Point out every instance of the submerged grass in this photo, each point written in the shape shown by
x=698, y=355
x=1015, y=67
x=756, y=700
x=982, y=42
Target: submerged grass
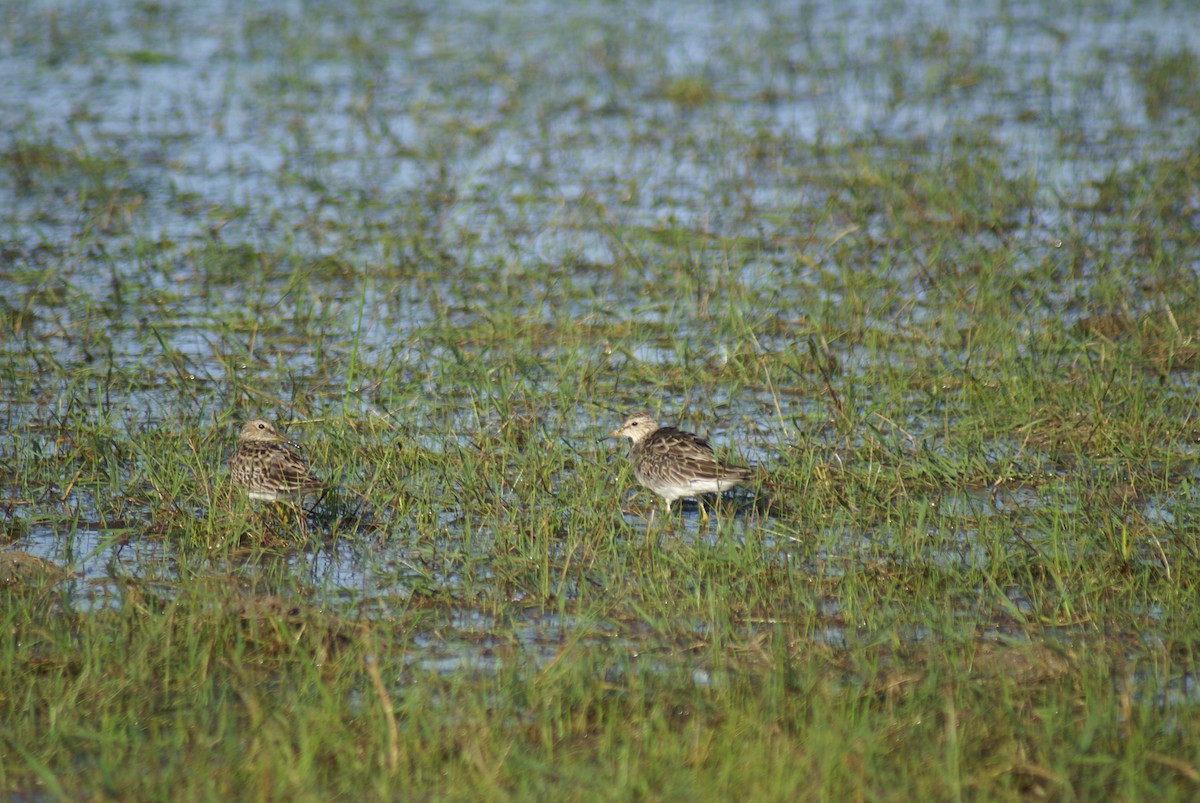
x=448, y=251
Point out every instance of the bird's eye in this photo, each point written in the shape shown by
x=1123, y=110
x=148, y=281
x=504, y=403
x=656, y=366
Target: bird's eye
x=264, y=426
x=634, y=424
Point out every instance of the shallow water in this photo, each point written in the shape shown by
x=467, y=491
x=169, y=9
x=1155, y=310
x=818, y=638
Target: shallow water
x=517, y=140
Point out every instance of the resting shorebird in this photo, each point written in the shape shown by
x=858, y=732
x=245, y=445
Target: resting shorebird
x=674, y=463
x=267, y=466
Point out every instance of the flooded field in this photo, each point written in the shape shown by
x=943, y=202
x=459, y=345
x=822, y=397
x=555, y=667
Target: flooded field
x=930, y=268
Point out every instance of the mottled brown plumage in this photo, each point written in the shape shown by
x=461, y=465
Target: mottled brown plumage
x=267, y=467
x=674, y=463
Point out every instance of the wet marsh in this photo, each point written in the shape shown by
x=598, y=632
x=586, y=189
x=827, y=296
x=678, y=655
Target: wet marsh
x=930, y=268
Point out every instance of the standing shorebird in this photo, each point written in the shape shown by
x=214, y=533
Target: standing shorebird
x=674, y=463
x=267, y=466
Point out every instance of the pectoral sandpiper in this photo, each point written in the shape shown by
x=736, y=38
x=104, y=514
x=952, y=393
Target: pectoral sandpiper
x=267, y=466
x=674, y=463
